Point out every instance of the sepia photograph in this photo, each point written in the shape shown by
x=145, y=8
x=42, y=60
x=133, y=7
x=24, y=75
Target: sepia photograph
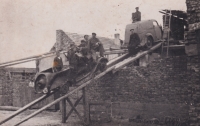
x=99, y=62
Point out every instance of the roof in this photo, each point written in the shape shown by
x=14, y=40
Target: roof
x=140, y=22
x=178, y=13
x=76, y=38
x=143, y=22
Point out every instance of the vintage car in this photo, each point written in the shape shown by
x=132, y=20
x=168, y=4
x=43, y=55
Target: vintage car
x=47, y=80
x=148, y=31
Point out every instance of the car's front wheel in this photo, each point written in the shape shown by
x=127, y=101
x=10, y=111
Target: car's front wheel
x=40, y=84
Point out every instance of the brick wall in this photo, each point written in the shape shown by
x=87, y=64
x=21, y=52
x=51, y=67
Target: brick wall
x=165, y=82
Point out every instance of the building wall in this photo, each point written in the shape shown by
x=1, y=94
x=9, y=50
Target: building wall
x=159, y=90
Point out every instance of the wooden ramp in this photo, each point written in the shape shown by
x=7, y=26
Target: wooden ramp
x=113, y=66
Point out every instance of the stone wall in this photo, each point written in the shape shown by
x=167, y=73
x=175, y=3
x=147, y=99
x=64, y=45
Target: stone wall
x=166, y=83
x=5, y=89
x=15, y=91
x=192, y=35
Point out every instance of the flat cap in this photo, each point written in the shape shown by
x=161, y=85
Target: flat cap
x=137, y=8
x=93, y=33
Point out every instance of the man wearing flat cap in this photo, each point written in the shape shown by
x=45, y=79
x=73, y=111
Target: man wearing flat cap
x=95, y=45
x=71, y=55
x=137, y=15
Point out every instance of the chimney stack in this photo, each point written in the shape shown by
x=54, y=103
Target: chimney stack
x=117, y=41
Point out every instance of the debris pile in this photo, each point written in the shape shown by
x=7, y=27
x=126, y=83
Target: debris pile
x=194, y=89
x=193, y=11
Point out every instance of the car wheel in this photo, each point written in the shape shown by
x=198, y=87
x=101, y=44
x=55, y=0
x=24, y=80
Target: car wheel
x=149, y=42
x=40, y=84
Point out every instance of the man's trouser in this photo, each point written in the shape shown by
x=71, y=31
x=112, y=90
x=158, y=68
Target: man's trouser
x=57, y=69
x=100, y=49
x=134, y=50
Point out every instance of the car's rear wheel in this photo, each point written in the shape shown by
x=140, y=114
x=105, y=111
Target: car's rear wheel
x=149, y=42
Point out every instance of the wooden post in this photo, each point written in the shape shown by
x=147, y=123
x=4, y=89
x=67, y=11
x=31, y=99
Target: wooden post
x=169, y=33
x=86, y=107
x=84, y=103
x=63, y=110
x=56, y=96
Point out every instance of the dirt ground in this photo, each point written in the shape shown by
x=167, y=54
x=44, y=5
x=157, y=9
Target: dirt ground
x=48, y=118
x=45, y=118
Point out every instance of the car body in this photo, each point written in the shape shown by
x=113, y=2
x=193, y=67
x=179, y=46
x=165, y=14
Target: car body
x=147, y=30
x=47, y=80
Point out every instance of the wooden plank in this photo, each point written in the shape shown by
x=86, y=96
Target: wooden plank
x=131, y=59
x=36, y=56
x=111, y=62
x=175, y=46
x=9, y=108
x=115, y=52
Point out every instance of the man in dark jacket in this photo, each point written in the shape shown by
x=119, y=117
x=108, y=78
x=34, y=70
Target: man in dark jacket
x=57, y=63
x=134, y=43
x=84, y=45
x=95, y=45
x=137, y=15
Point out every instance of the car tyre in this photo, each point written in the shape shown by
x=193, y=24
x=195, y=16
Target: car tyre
x=149, y=42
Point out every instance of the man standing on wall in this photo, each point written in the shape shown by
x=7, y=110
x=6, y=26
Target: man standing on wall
x=58, y=63
x=95, y=45
x=136, y=16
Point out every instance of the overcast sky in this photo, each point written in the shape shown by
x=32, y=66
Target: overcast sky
x=28, y=27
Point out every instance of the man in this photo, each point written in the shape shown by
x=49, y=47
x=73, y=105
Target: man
x=57, y=63
x=37, y=62
x=137, y=15
x=73, y=62
x=71, y=56
x=134, y=43
x=121, y=42
x=84, y=45
x=94, y=45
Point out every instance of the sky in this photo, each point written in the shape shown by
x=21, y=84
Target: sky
x=28, y=27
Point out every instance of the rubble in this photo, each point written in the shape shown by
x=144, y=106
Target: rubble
x=193, y=11
x=193, y=17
